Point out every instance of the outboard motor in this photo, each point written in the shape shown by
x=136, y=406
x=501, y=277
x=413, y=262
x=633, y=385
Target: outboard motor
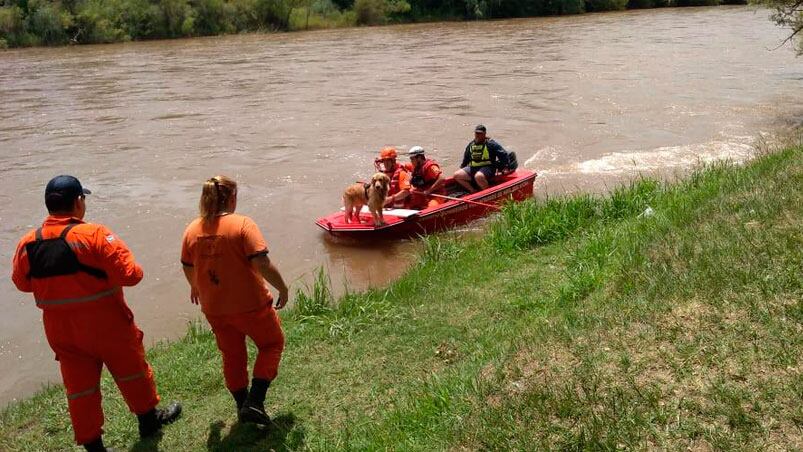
x=512, y=161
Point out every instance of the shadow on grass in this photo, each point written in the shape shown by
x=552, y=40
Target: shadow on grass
x=148, y=444
x=281, y=435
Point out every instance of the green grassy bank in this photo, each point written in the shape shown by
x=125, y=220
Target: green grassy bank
x=576, y=323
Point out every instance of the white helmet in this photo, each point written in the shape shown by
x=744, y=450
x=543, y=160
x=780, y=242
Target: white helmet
x=415, y=150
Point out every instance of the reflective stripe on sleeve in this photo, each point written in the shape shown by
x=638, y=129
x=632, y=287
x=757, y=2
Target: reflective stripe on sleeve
x=92, y=297
x=83, y=393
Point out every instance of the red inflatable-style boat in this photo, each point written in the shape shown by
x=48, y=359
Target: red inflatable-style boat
x=401, y=223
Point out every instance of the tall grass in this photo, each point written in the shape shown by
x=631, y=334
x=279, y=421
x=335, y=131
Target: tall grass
x=532, y=223
x=316, y=300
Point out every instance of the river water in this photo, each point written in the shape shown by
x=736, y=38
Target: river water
x=294, y=118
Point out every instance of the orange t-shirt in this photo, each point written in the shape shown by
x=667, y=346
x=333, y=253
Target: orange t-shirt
x=220, y=253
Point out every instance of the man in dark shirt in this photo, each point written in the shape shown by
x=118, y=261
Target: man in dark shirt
x=482, y=158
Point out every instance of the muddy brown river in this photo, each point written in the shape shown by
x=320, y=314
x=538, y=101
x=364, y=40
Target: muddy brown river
x=583, y=100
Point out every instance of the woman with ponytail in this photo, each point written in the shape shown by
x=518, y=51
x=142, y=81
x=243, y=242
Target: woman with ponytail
x=225, y=260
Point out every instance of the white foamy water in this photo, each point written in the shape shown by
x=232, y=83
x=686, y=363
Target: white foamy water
x=665, y=158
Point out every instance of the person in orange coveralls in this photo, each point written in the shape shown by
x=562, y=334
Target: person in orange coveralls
x=76, y=271
x=426, y=178
x=225, y=260
x=398, y=174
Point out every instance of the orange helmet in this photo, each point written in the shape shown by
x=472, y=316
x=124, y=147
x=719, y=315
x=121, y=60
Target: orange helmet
x=388, y=152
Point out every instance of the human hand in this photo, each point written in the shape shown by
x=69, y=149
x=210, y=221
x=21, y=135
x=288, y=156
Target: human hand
x=284, y=297
x=194, y=296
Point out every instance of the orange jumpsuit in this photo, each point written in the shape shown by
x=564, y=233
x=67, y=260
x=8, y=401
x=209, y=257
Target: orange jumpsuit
x=429, y=172
x=233, y=295
x=88, y=323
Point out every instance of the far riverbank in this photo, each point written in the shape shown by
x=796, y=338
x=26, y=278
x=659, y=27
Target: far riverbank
x=54, y=23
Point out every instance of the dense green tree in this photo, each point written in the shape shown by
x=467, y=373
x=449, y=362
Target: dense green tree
x=605, y=5
x=343, y=4
x=55, y=22
x=12, y=27
x=638, y=4
x=213, y=17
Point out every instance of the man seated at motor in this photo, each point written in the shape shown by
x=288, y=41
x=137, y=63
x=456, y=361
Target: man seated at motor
x=398, y=174
x=427, y=179
x=483, y=156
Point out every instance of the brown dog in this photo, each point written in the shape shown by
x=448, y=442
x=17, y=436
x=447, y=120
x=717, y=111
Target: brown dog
x=373, y=194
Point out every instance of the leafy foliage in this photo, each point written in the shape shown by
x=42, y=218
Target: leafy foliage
x=605, y=5
x=637, y=4
x=58, y=22
x=788, y=13
x=54, y=22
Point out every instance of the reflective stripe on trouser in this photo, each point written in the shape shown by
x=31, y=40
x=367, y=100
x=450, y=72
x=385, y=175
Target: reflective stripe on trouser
x=82, y=382
x=84, y=299
x=88, y=402
x=86, y=340
x=86, y=393
x=264, y=328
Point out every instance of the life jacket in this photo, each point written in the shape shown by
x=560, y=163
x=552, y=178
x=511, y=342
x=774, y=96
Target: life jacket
x=480, y=155
x=419, y=177
x=394, y=179
x=54, y=257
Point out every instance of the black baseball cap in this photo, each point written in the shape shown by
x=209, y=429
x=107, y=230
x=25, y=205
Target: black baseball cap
x=65, y=188
x=479, y=128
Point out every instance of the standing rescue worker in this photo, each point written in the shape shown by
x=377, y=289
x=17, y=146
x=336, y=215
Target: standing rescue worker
x=76, y=271
x=398, y=174
x=427, y=179
x=483, y=156
x=225, y=260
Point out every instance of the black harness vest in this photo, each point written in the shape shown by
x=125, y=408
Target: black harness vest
x=55, y=257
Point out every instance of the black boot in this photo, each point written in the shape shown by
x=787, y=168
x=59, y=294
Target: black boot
x=97, y=446
x=239, y=397
x=152, y=421
x=253, y=409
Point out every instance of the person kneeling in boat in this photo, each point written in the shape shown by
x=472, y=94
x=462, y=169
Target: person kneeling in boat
x=483, y=156
x=399, y=177
x=427, y=180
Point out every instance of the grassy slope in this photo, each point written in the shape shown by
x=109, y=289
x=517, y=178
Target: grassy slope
x=575, y=323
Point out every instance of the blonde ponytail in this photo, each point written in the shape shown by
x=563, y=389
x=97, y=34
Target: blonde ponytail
x=215, y=196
